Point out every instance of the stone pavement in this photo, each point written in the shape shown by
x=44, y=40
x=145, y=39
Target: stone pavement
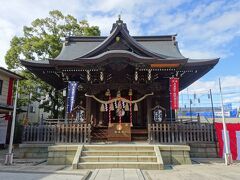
x=117, y=174
x=202, y=171
x=37, y=176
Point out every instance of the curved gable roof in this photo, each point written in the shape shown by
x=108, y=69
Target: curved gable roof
x=120, y=28
x=163, y=47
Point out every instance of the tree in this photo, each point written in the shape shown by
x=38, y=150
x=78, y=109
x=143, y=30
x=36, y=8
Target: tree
x=42, y=40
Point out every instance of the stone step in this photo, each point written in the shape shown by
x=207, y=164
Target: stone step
x=118, y=148
x=118, y=159
x=118, y=153
x=135, y=165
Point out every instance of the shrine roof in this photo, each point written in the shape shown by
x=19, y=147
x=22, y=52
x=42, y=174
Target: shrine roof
x=75, y=47
x=81, y=52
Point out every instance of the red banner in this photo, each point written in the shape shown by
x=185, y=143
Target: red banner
x=233, y=136
x=10, y=96
x=10, y=92
x=174, y=93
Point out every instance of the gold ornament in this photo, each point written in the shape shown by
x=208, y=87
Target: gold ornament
x=119, y=127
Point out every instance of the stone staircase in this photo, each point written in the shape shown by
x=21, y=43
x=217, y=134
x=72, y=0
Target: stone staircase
x=120, y=156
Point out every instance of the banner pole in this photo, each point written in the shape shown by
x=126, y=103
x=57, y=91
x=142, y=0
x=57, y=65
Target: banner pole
x=9, y=156
x=227, y=154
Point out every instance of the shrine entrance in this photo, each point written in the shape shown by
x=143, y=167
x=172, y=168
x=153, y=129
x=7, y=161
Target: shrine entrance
x=119, y=115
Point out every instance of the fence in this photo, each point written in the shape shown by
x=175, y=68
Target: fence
x=60, y=133
x=178, y=132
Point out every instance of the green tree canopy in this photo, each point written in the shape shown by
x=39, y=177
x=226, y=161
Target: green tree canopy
x=41, y=40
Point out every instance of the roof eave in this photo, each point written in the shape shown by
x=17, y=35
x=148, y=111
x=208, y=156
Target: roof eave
x=11, y=74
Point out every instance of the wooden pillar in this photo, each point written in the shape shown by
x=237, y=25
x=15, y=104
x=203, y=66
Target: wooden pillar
x=149, y=110
x=88, y=110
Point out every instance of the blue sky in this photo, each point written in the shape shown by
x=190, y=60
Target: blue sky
x=206, y=29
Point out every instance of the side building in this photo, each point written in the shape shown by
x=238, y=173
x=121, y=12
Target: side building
x=7, y=79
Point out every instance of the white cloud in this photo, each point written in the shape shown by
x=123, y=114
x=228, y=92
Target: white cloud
x=17, y=13
x=205, y=28
x=228, y=83
x=195, y=54
x=230, y=90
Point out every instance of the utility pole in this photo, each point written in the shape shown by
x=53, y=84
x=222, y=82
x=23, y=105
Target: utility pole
x=190, y=102
x=9, y=156
x=190, y=105
x=227, y=155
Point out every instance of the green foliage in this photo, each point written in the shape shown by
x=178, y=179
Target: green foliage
x=40, y=41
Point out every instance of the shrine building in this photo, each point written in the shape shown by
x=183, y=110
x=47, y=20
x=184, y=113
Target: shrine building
x=120, y=84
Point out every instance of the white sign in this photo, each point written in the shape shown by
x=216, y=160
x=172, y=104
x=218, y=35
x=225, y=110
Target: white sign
x=219, y=113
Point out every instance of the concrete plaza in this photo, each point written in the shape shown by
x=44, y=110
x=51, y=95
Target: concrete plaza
x=201, y=169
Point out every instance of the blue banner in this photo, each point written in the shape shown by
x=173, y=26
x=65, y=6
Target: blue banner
x=72, y=89
x=231, y=114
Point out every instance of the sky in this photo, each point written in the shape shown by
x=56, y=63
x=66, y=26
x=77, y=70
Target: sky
x=204, y=28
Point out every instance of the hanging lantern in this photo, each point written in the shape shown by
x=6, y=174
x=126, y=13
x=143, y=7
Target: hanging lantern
x=102, y=109
x=111, y=107
x=135, y=107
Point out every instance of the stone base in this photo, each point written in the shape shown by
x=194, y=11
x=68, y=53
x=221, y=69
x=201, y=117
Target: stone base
x=61, y=154
x=143, y=156
x=34, y=151
x=203, y=150
x=175, y=154
x=118, y=156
